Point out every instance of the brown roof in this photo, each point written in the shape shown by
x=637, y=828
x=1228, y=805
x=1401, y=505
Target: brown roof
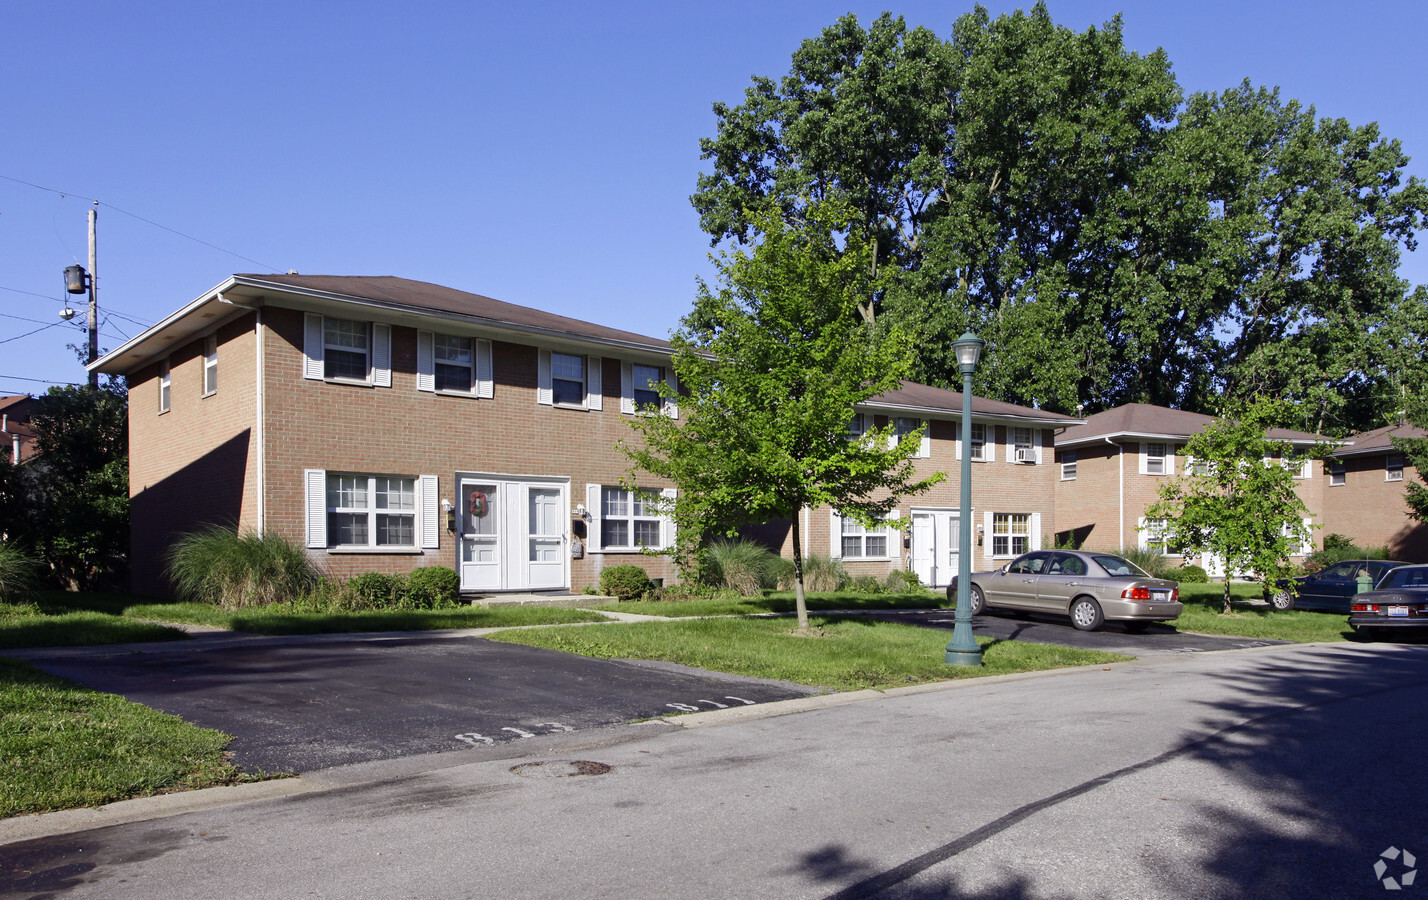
x=921, y=397
x=424, y=296
x=1379, y=440
x=1147, y=420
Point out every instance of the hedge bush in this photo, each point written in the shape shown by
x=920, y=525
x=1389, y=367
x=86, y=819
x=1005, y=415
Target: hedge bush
x=1190, y=575
x=433, y=587
x=625, y=582
x=377, y=590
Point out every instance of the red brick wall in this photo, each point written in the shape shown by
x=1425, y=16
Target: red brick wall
x=1371, y=510
x=194, y=464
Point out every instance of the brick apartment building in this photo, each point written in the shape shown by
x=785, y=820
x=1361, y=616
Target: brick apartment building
x=389, y=424
x=1363, y=486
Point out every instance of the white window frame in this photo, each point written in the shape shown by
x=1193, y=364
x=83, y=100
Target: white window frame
x=1002, y=529
x=1152, y=534
x=1338, y=473
x=1301, y=468
x=849, y=527
x=982, y=450
x=1393, y=467
x=331, y=325
x=165, y=385
x=667, y=405
x=1195, y=466
x=631, y=508
x=378, y=351
x=371, y=489
x=592, y=397
x=482, y=379
x=1068, y=464
x=858, y=426
x=210, y=365
x=905, y=425
x=1165, y=460
x=1023, y=438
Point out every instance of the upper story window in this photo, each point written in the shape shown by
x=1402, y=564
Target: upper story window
x=1023, y=445
x=347, y=350
x=210, y=365
x=453, y=363
x=858, y=425
x=567, y=379
x=165, y=382
x=1336, y=474
x=644, y=381
x=904, y=426
x=1301, y=467
x=1195, y=466
x=978, y=442
x=1152, y=458
x=1068, y=465
x=1393, y=467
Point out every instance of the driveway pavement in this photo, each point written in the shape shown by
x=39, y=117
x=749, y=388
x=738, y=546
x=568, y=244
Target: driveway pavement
x=302, y=704
x=1156, y=640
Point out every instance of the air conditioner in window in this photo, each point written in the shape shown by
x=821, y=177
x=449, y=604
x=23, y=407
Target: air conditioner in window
x=1025, y=456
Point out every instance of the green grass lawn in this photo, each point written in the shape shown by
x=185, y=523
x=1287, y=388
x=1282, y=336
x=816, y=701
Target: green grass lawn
x=844, y=654
x=1204, y=602
x=779, y=602
x=62, y=746
x=69, y=619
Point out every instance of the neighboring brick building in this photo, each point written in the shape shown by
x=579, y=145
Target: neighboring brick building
x=1363, y=491
x=1013, y=489
x=15, y=432
x=1111, y=467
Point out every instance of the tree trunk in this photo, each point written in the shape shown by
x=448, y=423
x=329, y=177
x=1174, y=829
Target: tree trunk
x=1226, y=610
x=798, y=598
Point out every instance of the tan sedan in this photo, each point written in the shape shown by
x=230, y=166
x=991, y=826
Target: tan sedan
x=1092, y=588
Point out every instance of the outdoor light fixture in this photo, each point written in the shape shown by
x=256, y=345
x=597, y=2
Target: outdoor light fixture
x=962, y=650
x=450, y=515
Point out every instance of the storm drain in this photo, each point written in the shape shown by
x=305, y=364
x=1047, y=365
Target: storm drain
x=561, y=768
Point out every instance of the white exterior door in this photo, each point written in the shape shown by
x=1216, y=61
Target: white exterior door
x=936, y=534
x=514, y=533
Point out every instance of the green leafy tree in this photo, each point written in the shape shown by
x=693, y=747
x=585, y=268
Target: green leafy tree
x=1238, y=502
x=1415, y=453
x=771, y=365
x=1113, y=240
x=75, y=491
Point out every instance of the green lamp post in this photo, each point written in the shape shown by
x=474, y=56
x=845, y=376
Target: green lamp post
x=963, y=650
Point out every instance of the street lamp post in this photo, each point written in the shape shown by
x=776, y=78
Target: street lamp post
x=963, y=650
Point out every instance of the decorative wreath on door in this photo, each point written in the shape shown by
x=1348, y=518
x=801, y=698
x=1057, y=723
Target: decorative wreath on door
x=479, y=505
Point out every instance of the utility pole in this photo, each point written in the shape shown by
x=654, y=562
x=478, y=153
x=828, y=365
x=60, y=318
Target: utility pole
x=93, y=299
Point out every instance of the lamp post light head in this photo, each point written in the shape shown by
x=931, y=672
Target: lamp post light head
x=968, y=348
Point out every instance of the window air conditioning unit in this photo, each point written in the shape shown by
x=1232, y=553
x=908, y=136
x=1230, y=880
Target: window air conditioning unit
x=1025, y=456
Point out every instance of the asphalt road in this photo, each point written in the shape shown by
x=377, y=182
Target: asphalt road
x=1157, y=640
x=1281, y=772
x=297, y=705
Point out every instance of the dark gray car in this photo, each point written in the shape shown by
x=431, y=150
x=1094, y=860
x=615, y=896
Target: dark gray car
x=1400, y=601
x=1331, y=589
x=1092, y=588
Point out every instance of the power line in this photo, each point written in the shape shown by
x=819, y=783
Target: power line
x=28, y=333
x=145, y=221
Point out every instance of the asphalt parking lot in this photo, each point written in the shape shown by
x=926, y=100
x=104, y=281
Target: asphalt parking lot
x=299, y=705
x=1157, y=640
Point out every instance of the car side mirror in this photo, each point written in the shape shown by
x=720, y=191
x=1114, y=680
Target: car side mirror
x=1004, y=568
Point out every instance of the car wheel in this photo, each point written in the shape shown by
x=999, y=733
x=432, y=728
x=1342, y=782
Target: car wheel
x=978, y=602
x=1086, y=614
x=1136, y=627
x=1281, y=600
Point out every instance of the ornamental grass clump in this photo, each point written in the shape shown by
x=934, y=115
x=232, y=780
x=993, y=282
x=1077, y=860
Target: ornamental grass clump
x=18, y=572
x=820, y=573
x=238, y=570
x=743, y=566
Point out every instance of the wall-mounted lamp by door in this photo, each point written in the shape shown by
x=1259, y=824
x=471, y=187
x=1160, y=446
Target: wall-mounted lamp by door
x=450, y=511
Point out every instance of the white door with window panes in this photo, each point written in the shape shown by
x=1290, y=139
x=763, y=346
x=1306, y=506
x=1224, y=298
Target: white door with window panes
x=936, y=545
x=513, y=533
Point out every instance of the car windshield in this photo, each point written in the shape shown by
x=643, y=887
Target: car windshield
x=1406, y=576
x=1118, y=567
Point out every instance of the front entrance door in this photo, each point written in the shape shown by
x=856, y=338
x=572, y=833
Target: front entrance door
x=514, y=533
x=936, y=538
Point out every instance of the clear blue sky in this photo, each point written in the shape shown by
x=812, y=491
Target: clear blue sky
x=542, y=152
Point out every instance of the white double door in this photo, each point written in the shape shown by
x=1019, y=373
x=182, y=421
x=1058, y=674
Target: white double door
x=514, y=533
x=936, y=539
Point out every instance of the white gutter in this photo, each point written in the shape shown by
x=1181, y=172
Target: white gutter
x=1121, y=498
x=261, y=425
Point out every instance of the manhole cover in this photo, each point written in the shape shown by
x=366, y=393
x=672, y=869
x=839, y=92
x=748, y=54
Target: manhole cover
x=560, y=768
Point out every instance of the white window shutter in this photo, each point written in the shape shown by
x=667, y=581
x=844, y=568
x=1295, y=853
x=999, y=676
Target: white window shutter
x=485, y=373
x=544, y=396
x=430, y=512
x=382, y=355
x=667, y=520
x=627, y=386
x=315, y=487
x=594, y=389
x=894, y=534
x=1033, y=538
x=835, y=542
x=1140, y=533
x=592, y=526
x=987, y=542
x=426, y=361
x=958, y=438
x=1038, y=439
x=671, y=403
x=1140, y=456
x=924, y=449
x=312, y=349
x=989, y=446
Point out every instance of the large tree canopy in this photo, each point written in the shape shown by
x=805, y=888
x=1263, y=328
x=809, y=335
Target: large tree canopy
x=1113, y=240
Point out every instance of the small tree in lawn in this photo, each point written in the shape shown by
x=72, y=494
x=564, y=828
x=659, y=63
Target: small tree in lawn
x=771, y=365
x=1233, y=503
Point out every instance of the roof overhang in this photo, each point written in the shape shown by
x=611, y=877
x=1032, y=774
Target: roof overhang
x=943, y=412
x=1103, y=437
x=239, y=294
